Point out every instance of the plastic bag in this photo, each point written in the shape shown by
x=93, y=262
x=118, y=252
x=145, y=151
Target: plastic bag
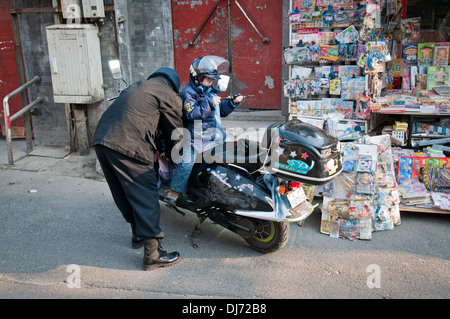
x=297, y=55
x=280, y=204
x=166, y=168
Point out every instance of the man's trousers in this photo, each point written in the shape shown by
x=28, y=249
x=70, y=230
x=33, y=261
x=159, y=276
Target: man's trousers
x=133, y=185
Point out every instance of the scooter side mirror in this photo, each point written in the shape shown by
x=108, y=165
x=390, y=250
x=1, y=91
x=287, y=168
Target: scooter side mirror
x=114, y=66
x=222, y=84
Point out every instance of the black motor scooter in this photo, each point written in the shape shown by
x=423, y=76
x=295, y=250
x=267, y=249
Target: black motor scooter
x=255, y=189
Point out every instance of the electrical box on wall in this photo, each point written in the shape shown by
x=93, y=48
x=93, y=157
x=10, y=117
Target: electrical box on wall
x=71, y=9
x=75, y=63
x=93, y=9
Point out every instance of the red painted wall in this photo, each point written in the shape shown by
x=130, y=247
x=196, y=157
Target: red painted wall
x=256, y=66
x=9, y=80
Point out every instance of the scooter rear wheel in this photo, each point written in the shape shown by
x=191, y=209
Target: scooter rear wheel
x=269, y=235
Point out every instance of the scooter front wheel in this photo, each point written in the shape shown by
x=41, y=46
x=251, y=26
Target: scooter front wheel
x=269, y=235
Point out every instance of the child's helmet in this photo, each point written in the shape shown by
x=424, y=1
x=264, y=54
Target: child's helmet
x=209, y=66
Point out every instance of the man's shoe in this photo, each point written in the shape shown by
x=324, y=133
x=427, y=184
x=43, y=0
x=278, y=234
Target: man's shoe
x=171, y=197
x=155, y=256
x=136, y=242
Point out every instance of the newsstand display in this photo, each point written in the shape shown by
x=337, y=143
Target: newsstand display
x=374, y=79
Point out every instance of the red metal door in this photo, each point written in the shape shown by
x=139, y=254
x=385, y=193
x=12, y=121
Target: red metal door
x=255, y=64
x=9, y=79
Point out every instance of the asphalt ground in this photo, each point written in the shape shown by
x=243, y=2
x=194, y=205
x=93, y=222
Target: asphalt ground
x=63, y=238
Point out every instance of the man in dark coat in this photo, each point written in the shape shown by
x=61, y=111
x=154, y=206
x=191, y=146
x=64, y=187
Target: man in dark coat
x=124, y=142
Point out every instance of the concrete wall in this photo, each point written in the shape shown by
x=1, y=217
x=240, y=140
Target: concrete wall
x=49, y=119
x=139, y=32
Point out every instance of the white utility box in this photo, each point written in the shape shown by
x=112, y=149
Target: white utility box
x=75, y=63
x=93, y=9
x=71, y=9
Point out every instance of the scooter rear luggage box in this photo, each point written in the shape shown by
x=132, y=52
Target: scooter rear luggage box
x=303, y=152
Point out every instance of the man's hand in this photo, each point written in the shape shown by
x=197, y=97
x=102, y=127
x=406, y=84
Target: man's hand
x=156, y=157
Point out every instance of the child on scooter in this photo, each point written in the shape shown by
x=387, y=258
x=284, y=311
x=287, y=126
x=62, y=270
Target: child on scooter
x=201, y=103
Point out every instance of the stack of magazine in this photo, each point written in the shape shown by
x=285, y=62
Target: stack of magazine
x=414, y=193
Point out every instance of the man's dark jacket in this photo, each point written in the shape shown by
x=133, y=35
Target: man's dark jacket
x=129, y=125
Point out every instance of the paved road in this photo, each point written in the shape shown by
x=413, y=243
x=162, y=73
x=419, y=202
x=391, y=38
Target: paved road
x=58, y=224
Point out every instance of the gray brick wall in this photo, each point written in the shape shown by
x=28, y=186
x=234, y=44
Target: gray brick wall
x=150, y=36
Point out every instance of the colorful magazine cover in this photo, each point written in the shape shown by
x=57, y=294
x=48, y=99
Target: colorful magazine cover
x=413, y=190
x=346, y=71
x=332, y=105
x=441, y=200
x=397, y=68
x=437, y=76
x=303, y=4
x=327, y=71
x=443, y=91
x=441, y=54
x=423, y=77
x=410, y=29
x=406, y=79
x=425, y=53
x=409, y=54
x=351, y=87
x=305, y=38
x=414, y=74
x=409, y=167
x=309, y=108
x=335, y=87
x=345, y=107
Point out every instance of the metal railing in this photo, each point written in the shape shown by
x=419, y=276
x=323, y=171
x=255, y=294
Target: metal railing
x=9, y=119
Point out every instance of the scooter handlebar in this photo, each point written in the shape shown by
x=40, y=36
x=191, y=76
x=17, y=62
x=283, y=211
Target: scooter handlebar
x=232, y=97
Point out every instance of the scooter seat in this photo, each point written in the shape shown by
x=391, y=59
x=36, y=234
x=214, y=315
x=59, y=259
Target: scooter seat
x=244, y=153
